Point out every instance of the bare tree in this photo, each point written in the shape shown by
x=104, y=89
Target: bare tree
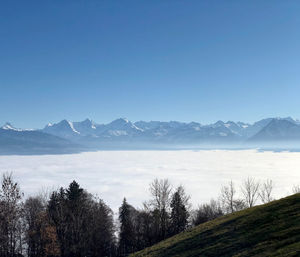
x=11, y=209
x=250, y=190
x=206, y=212
x=227, y=197
x=239, y=204
x=161, y=193
x=296, y=189
x=266, y=189
x=34, y=212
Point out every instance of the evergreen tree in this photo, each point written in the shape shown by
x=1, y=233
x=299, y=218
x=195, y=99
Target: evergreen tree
x=84, y=226
x=127, y=242
x=179, y=212
x=144, y=229
x=76, y=212
x=57, y=217
x=101, y=230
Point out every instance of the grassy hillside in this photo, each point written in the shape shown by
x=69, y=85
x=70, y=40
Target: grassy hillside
x=268, y=230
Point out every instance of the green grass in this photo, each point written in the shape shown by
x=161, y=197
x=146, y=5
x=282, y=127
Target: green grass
x=269, y=230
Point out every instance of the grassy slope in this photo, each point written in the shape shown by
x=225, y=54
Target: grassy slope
x=267, y=230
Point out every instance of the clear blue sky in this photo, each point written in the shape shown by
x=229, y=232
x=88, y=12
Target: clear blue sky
x=151, y=60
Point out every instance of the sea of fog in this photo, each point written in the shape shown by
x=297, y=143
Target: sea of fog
x=113, y=175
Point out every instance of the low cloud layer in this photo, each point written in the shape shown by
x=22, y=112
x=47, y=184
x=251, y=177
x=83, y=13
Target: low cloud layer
x=113, y=175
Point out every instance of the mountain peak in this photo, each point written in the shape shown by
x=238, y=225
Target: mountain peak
x=85, y=127
x=62, y=126
x=219, y=123
x=122, y=124
x=89, y=123
x=124, y=120
x=64, y=121
x=220, y=133
x=120, y=121
x=87, y=120
x=9, y=126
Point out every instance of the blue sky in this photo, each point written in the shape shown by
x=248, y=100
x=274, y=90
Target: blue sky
x=151, y=60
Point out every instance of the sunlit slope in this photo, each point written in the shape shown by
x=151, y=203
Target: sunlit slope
x=267, y=230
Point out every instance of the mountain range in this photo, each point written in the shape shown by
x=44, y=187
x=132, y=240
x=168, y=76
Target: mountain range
x=69, y=137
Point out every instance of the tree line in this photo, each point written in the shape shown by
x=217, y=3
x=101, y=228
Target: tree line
x=71, y=222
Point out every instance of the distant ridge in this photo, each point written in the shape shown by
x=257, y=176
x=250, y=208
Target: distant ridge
x=121, y=133
x=171, y=133
x=278, y=129
x=16, y=141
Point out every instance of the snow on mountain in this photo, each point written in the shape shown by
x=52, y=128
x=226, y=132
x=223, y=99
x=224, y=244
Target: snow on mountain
x=218, y=124
x=9, y=126
x=86, y=127
x=195, y=125
x=236, y=127
x=122, y=132
x=121, y=127
x=172, y=131
x=72, y=127
x=122, y=123
x=147, y=125
x=63, y=129
x=26, y=141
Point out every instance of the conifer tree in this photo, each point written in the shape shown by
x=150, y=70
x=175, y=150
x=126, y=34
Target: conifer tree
x=127, y=231
x=179, y=212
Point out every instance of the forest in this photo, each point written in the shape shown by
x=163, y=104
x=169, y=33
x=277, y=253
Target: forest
x=71, y=222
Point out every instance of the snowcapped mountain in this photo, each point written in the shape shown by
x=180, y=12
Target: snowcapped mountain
x=121, y=127
x=86, y=127
x=238, y=128
x=123, y=134
x=24, y=141
x=64, y=129
x=9, y=126
x=154, y=131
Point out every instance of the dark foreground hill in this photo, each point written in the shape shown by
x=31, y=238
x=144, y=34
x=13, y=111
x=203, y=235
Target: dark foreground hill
x=267, y=230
